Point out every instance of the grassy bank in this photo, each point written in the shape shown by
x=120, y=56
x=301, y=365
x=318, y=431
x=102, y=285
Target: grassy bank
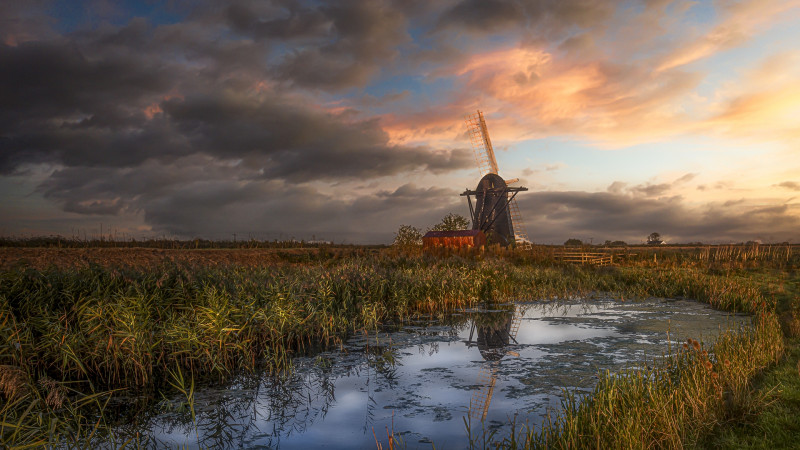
x=743, y=392
x=68, y=334
x=776, y=424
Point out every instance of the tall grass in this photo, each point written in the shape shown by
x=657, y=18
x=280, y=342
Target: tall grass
x=100, y=328
x=127, y=328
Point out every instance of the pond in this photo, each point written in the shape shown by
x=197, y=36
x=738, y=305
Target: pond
x=424, y=379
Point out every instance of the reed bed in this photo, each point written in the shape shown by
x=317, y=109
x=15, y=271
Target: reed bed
x=749, y=252
x=95, y=329
x=728, y=257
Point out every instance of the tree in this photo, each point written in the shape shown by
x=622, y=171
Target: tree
x=573, y=242
x=452, y=222
x=407, y=236
x=654, y=239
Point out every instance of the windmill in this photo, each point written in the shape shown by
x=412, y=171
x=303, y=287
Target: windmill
x=495, y=212
x=495, y=331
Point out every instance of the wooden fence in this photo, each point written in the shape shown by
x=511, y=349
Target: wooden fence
x=579, y=257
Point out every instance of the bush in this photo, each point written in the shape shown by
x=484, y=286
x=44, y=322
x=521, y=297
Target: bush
x=408, y=236
x=452, y=222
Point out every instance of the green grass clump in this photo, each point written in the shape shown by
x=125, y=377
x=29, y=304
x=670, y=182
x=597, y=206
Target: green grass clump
x=777, y=424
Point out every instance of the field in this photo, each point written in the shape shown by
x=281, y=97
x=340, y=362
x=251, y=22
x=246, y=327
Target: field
x=79, y=326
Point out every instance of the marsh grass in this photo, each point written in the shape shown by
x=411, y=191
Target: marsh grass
x=94, y=329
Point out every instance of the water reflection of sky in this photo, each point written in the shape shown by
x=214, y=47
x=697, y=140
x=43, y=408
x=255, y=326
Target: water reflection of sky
x=419, y=380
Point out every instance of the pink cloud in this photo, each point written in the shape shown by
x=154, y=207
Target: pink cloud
x=610, y=96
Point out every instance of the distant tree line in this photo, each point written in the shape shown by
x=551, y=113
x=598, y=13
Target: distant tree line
x=574, y=242
x=164, y=243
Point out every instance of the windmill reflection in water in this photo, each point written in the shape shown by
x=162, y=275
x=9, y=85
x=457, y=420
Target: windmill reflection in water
x=493, y=332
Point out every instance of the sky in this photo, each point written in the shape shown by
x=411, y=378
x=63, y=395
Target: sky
x=342, y=120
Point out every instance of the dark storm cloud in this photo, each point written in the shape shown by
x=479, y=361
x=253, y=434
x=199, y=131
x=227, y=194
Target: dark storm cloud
x=407, y=197
x=78, y=189
x=793, y=185
x=301, y=211
x=117, y=97
x=607, y=215
x=23, y=21
x=56, y=78
x=203, y=126
x=652, y=190
x=482, y=15
x=540, y=16
x=616, y=187
x=294, y=143
x=332, y=46
x=648, y=189
x=230, y=120
x=686, y=178
x=295, y=22
x=66, y=107
x=199, y=196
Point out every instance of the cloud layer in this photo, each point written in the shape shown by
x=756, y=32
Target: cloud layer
x=343, y=118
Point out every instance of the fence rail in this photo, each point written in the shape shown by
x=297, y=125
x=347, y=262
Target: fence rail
x=593, y=258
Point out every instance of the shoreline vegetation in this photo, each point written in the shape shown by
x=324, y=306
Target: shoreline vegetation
x=74, y=332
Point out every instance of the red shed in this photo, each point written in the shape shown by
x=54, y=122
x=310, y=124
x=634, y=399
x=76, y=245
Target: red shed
x=454, y=239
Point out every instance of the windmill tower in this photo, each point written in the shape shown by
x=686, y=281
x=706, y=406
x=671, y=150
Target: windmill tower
x=495, y=212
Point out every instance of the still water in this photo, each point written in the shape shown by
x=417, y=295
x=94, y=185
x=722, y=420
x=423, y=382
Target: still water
x=509, y=362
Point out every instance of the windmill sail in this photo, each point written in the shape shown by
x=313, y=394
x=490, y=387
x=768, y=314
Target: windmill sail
x=487, y=163
x=487, y=372
x=481, y=398
x=481, y=144
x=520, y=234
